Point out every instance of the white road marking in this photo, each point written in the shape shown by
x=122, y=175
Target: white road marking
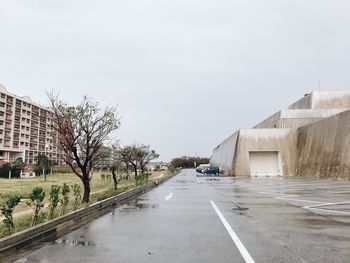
x=245, y=254
x=315, y=207
x=300, y=200
x=327, y=210
x=169, y=196
x=198, y=181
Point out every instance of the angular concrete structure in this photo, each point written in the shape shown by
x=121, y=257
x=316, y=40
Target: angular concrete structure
x=309, y=138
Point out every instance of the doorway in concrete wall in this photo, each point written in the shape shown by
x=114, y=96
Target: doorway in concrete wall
x=265, y=163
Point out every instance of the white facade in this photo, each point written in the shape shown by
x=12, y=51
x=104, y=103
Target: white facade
x=26, y=129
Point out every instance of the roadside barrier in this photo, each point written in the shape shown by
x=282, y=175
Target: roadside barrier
x=58, y=227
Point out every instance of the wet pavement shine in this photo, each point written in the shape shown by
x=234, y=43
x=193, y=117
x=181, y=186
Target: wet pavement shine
x=212, y=219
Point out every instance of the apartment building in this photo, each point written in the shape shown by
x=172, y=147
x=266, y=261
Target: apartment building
x=26, y=130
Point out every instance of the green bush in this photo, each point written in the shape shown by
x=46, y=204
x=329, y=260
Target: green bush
x=7, y=210
x=142, y=178
x=77, y=196
x=36, y=202
x=65, y=199
x=53, y=200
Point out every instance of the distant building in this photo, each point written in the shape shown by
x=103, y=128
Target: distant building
x=108, y=157
x=26, y=130
x=157, y=166
x=309, y=138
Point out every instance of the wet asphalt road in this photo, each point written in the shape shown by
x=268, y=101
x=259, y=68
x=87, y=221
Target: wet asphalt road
x=177, y=223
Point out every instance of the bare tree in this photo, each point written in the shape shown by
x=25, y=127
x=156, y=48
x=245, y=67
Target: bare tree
x=127, y=154
x=145, y=155
x=82, y=130
x=138, y=156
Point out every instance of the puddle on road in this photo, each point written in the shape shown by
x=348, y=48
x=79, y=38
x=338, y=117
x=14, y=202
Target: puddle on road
x=74, y=242
x=212, y=179
x=182, y=181
x=141, y=206
x=240, y=209
x=135, y=206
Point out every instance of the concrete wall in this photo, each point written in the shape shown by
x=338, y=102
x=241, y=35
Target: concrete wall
x=296, y=118
x=280, y=140
x=232, y=155
x=324, y=100
x=317, y=143
x=331, y=99
x=271, y=122
x=303, y=103
x=223, y=154
x=323, y=148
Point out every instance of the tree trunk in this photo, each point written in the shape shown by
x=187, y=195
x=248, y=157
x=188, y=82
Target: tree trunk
x=127, y=171
x=86, y=183
x=115, y=179
x=135, y=170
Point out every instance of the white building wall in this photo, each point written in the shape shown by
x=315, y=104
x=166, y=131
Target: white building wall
x=25, y=129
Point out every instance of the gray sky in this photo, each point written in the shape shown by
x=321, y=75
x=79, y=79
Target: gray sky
x=186, y=73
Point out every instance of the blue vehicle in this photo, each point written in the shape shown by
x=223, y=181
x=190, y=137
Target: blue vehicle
x=211, y=170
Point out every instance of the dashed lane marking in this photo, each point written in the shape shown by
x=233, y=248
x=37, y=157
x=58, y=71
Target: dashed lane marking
x=169, y=196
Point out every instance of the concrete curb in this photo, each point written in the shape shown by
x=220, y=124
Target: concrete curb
x=69, y=222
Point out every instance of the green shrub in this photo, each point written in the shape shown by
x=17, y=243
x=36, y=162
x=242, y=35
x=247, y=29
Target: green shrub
x=36, y=202
x=65, y=199
x=7, y=210
x=77, y=196
x=53, y=200
x=142, y=178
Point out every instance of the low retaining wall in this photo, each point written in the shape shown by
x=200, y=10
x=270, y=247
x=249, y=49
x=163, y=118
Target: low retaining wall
x=69, y=222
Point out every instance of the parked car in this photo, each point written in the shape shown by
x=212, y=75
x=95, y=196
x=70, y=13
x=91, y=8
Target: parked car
x=211, y=170
x=201, y=167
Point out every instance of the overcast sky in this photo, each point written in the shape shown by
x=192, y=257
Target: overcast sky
x=186, y=73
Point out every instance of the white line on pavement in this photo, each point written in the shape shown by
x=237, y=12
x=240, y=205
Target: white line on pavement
x=299, y=200
x=327, y=210
x=315, y=207
x=245, y=254
x=169, y=196
x=198, y=181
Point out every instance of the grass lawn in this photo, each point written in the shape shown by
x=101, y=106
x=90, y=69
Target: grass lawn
x=23, y=187
x=99, y=190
